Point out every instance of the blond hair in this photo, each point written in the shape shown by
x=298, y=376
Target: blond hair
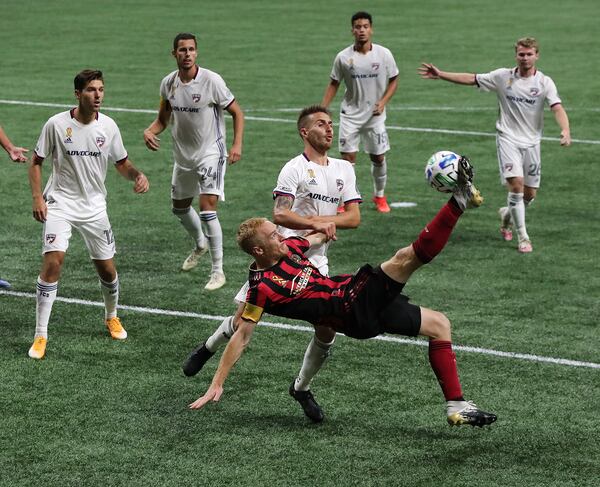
x=247, y=237
x=529, y=42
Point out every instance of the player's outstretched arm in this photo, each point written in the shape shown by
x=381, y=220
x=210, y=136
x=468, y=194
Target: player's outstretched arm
x=284, y=216
x=562, y=120
x=235, y=153
x=131, y=173
x=232, y=353
x=430, y=71
x=16, y=154
x=35, y=182
x=157, y=126
x=330, y=92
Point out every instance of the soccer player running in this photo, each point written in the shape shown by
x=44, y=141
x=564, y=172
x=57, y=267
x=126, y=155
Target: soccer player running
x=81, y=142
x=521, y=93
x=194, y=98
x=370, y=74
x=16, y=154
x=310, y=187
x=283, y=282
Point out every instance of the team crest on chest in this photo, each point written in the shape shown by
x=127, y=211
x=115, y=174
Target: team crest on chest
x=534, y=91
x=340, y=184
x=68, y=134
x=100, y=140
x=375, y=66
x=296, y=258
x=195, y=97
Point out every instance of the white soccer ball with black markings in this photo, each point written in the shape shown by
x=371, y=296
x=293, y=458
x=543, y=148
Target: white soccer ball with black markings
x=441, y=171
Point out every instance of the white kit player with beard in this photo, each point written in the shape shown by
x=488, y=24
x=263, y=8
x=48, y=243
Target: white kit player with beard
x=194, y=100
x=522, y=92
x=309, y=190
x=82, y=143
x=370, y=75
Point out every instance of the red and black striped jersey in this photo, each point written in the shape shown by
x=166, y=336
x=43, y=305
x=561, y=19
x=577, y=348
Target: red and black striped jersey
x=294, y=288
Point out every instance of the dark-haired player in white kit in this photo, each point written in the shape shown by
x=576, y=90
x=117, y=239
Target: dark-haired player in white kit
x=521, y=92
x=310, y=187
x=81, y=142
x=194, y=99
x=370, y=74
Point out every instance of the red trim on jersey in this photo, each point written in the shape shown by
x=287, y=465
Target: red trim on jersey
x=229, y=104
x=557, y=103
x=355, y=200
x=282, y=193
x=37, y=159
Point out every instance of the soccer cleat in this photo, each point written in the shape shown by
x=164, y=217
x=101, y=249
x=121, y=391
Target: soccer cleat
x=192, y=260
x=4, y=284
x=196, y=360
x=381, y=204
x=525, y=247
x=217, y=280
x=465, y=192
x=466, y=412
x=310, y=407
x=505, y=224
x=116, y=328
x=38, y=349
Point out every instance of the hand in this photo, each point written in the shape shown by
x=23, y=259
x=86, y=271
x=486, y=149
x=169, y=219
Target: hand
x=212, y=394
x=235, y=153
x=40, y=209
x=141, y=184
x=428, y=71
x=151, y=140
x=378, y=108
x=326, y=228
x=565, y=138
x=17, y=154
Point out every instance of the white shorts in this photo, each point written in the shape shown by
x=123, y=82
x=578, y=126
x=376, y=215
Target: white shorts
x=206, y=178
x=519, y=162
x=374, y=138
x=240, y=297
x=97, y=235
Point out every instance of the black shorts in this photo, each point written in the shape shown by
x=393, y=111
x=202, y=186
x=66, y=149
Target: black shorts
x=375, y=305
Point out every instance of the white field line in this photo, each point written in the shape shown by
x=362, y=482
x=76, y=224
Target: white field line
x=284, y=120
x=307, y=329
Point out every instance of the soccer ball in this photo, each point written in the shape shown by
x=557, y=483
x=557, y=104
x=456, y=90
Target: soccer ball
x=441, y=171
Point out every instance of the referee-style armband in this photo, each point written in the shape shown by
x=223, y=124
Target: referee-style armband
x=252, y=312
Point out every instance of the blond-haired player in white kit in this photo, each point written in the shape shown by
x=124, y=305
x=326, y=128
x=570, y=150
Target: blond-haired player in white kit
x=194, y=99
x=370, y=74
x=309, y=190
x=81, y=142
x=521, y=93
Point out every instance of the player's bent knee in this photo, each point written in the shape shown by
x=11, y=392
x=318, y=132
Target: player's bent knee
x=435, y=325
x=325, y=334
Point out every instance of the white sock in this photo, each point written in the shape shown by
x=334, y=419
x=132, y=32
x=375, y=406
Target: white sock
x=314, y=358
x=379, y=175
x=191, y=222
x=212, y=229
x=45, y=296
x=110, y=293
x=517, y=213
x=221, y=335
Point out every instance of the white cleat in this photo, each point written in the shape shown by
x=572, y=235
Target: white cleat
x=525, y=247
x=192, y=260
x=217, y=280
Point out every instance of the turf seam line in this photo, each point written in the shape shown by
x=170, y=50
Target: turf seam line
x=286, y=326
x=283, y=120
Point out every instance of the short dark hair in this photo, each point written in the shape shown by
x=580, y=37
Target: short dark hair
x=184, y=36
x=361, y=15
x=308, y=111
x=84, y=77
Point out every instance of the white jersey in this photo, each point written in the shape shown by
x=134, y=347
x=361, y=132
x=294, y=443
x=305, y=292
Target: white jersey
x=521, y=101
x=317, y=190
x=366, y=77
x=80, y=155
x=198, y=121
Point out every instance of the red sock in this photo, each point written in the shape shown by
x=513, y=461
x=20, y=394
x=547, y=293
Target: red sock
x=436, y=233
x=443, y=363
